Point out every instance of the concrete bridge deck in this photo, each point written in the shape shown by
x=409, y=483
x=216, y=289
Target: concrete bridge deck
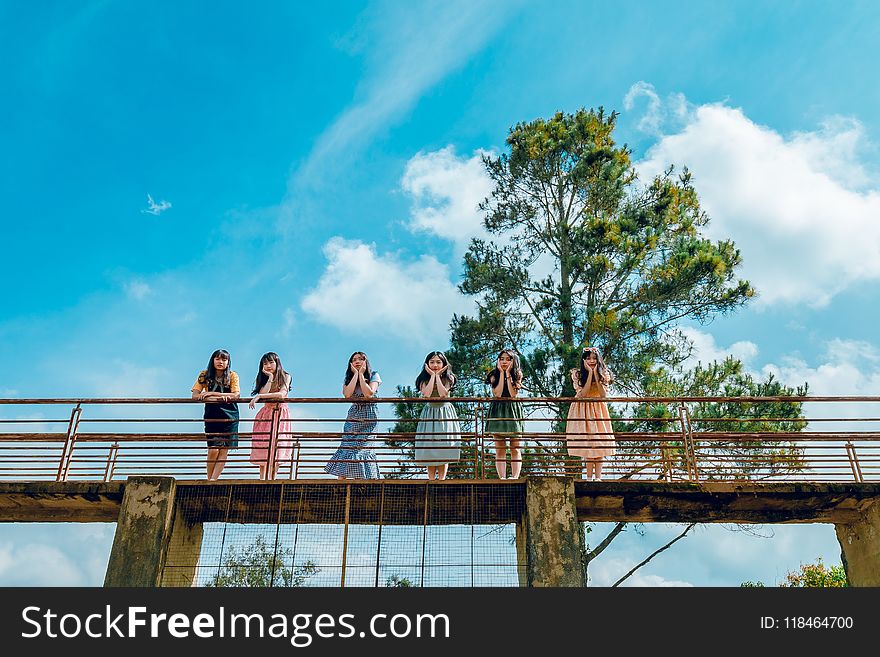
x=416, y=502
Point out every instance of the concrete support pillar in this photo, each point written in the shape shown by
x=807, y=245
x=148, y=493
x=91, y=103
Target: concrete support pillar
x=548, y=539
x=143, y=532
x=860, y=548
x=184, y=547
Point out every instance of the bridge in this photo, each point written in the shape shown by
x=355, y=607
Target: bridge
x=139, y=463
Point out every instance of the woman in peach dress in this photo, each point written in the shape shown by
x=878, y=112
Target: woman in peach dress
x=588, y=429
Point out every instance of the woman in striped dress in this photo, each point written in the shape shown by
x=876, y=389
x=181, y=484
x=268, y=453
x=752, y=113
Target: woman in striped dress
x=356, y=458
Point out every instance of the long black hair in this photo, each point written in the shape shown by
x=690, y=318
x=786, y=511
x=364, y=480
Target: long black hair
x=447, y=378
x=602, y=370
x=280, y=379
x=368, y=371
x=210, y=376
x=515, y=369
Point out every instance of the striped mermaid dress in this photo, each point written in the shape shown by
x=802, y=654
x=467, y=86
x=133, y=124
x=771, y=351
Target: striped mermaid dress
x=356, y=458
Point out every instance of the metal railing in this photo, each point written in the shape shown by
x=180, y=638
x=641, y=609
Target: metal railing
x=681, y=439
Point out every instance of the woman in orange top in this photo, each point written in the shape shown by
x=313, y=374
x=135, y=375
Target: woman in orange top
x=218, y=385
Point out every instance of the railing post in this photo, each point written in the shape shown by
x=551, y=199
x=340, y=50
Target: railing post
x=854, y=461
x=480, y=440
x=67, y=450
x=689, y=449
x=273, y=443
x=294, y=459
x=111, y=461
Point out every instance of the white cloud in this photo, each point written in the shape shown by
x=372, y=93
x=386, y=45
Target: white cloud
x=38, y=565
x=362, y=290
x=138, y=290
x=796, y=206
x=706, y=349
x=850, y=367
x=446, y=192
x=638, y=579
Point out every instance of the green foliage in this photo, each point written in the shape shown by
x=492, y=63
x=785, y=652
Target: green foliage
x=729, y=436
x=752, y=585
x=258, y=565
x=813, y=575
x=398, y=581
x=816, y=575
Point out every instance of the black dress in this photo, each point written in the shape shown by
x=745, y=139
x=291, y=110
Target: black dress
x=221, y=421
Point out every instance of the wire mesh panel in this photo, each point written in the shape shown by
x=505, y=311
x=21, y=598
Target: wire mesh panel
x=345, y=534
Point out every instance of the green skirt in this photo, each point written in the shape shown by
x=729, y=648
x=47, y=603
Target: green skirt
x=505, y=417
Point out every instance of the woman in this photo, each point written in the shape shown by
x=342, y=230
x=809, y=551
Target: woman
x=438, y=434
x=355, y=458
x=504, y=421
x=588, y=429
x=218, y=385
x=272, y=384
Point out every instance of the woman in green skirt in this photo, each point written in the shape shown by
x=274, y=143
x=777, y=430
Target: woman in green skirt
x=505, y=422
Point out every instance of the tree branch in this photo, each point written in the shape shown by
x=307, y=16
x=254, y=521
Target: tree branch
x=655, y=553
x=595, y=552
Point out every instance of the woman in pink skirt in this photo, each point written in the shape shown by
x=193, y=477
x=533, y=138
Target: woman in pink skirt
x=588, y=429
x=272, y=384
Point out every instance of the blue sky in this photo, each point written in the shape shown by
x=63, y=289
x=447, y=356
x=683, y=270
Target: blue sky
x=320, y=165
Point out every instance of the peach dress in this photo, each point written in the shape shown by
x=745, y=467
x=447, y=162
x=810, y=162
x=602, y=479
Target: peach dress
x=588, y=429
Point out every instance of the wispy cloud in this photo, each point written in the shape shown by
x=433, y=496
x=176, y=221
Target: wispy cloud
x=288, y=322
x=155, y=208
x=138, y=290
x=658, y=114
x=412, y=48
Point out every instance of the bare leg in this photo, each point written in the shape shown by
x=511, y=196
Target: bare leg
x=590, y=466
x=432, y=472
x=501, y=458
x=515, y=458
x=211, y=462
x=220, y=462
x=598, y=466
x=442, y=470
x=263, y=468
